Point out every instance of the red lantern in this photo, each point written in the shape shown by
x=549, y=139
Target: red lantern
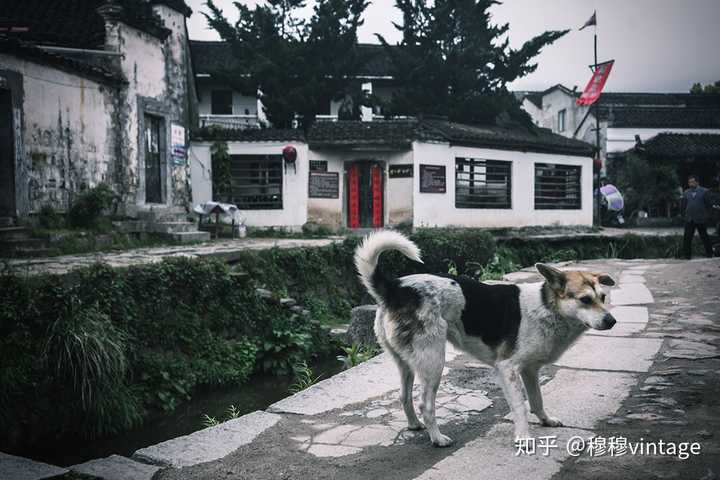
x=289, y=154
x=597, y=164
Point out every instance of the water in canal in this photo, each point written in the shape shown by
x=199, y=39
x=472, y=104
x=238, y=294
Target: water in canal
x=257, y=394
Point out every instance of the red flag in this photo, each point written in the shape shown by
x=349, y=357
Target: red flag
x=591, y=22
x=595, y=85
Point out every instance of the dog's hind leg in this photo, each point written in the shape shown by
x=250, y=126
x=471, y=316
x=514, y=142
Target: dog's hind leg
x=429, y=370
x=512, y=388
x=407, y=377
x=532, y=387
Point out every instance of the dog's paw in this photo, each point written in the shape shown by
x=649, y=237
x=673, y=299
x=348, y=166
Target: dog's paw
x=552, y=422
x=442, y=441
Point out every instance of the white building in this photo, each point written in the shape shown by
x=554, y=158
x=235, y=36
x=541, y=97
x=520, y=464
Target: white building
x=101, y=92
x=426, y=173
x=623, y=116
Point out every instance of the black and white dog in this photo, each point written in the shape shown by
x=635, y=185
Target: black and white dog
x=515, y=328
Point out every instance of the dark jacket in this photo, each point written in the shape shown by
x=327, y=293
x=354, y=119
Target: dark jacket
x=696, y=205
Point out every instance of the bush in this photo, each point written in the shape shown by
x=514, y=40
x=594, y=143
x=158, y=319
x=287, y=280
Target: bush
x=49, y=218
x=88, y=207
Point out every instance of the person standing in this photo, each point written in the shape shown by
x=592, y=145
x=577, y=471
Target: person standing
x=695, y=207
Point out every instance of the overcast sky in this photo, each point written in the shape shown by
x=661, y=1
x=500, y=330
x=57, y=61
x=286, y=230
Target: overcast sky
x=658, y=45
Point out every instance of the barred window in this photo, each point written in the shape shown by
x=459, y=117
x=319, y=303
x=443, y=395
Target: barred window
x=557, y=187
x=256, y=181
x=483, y=183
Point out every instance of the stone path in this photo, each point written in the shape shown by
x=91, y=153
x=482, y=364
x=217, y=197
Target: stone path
x=351, y=426
x=226, y=250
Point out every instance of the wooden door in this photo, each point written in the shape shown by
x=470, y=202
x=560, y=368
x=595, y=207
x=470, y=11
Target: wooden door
x=7, y=155
x=154, y=158
x=365, y=195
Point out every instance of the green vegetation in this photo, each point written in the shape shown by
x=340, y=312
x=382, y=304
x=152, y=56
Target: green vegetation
x=100, y=349
x=304, y=377
x=88, y=207
x=356, y=354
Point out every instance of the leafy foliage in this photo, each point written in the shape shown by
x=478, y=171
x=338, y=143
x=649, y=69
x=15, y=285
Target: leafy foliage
x=221, y=175
x=698, y=88
x=356, y=354
x=295, y=65
x=304, y=377
x=453, y=61
x=87, y=209
x=645, y=184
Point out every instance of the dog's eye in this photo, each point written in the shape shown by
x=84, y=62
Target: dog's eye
x=586, y=300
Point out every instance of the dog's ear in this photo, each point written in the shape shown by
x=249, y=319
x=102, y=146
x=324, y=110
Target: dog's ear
x=604, y=279
x=555, y=278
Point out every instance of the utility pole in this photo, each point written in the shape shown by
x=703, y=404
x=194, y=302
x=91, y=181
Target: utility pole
x=597, y=142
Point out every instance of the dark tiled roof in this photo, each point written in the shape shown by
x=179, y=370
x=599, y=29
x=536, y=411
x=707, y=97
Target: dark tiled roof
x=516, y=138
x=679, y=145
x=661, y=117
x=399, y=134
x=62, y=62
x=216, y=57
x=248, y=135
x=643, y=99
x=76, y=23
x=378, y=133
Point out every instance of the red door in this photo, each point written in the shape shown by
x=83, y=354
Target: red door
x=365, y=195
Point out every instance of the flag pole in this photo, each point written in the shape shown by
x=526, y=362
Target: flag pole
x=597, y=134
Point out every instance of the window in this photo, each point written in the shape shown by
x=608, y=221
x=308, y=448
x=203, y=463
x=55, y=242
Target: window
x=256, y=181
x=482, y=183
x=222, y=102
x=557, y=187
x=561, y=120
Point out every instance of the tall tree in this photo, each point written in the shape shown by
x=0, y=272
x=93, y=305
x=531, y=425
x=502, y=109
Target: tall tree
x=698, y=88
x=453, y=61
x=296, y=65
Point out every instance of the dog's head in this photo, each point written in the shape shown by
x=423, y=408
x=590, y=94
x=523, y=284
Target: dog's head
x=579, y=295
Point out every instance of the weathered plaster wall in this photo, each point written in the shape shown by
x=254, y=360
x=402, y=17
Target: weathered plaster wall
x=438, y=209
x=67, y=135
x=157, y=72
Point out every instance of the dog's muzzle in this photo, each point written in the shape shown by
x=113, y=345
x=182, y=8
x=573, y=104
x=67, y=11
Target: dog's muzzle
x=608, y=322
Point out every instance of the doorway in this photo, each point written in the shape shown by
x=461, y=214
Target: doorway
x=154, y=158
x=7, y=155
x=365, y=195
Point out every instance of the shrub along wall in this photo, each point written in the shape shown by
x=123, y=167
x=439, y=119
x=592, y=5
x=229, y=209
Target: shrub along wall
x=97, y=350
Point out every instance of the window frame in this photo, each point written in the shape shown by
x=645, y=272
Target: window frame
x=503, y=168
x=257, y=182
x=214, y=102
x=562, y=120
x=572, y=174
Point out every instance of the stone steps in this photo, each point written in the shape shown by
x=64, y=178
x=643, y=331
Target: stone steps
x=188, y=237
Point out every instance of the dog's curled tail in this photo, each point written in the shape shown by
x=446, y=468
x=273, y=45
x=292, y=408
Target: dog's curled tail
x=368, y=253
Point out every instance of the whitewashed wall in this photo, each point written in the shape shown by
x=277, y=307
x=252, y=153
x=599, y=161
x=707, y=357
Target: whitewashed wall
x=67, y=134
x=294, y=213
x=438, y=210
x=398, y=198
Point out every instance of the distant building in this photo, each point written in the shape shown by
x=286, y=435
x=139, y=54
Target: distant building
x=419, y=172
x=94, y=91
x=623, y=116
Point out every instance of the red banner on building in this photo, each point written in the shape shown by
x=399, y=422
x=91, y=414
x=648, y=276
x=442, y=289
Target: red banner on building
x=377, y=209
x=354, y=197
x=595, y=85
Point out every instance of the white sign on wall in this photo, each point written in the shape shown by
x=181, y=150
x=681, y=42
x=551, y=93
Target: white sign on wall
x=177, y=143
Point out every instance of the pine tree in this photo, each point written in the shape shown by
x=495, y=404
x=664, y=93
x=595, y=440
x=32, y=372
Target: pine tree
x=296, y=65
x=453, y=61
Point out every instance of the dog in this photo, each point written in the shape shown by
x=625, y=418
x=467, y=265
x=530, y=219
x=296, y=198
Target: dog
x=514, y=328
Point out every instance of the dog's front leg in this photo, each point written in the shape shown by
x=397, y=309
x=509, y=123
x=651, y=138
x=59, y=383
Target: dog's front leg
x=512, y=388
x=532, y=387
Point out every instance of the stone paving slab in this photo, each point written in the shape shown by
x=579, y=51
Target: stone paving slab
x=631, y=294
x=611, y=353
x=494, y=457
x=116, y=467
x=579, y=398
x=631, y=278
x=208, y=444
x=19, y=468
x=373, y=378
x=630, y=321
